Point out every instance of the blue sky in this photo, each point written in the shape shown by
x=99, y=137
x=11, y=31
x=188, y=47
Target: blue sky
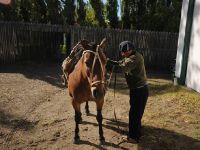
x=104, y=1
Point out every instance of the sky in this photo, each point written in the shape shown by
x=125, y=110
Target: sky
x=104, y=1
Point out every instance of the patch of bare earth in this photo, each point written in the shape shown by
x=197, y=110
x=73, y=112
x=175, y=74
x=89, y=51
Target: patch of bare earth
x=36, y=113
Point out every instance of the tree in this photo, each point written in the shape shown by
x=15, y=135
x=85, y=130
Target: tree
x=25, y=10
x=97, y=5
x=39, y=11
x=10, y=12
x=126, y=22
x=90, y=19
x=81, y=12
x=163, y=15
x=69, y=13
x=112, y=9
x=54, y=11
x=140, y=12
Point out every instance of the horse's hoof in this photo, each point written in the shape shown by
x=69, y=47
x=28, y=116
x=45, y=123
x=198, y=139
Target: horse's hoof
x=102, y=141
x=76, y=140
x=88, y=114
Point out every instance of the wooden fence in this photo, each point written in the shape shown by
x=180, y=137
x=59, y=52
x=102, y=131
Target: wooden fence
x=23, y=41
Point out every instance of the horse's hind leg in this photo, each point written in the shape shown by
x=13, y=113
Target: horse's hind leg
x=100, y=119
x=87, y=108
x=77, y=119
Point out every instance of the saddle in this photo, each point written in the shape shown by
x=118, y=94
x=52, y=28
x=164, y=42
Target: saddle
x=70, y=62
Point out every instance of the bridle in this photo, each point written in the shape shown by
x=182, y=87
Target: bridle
x=96, y=56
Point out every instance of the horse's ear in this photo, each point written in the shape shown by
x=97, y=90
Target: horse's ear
x=104, y=43
x=84, y=43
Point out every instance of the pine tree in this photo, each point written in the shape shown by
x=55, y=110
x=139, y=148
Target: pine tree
x=53, y=11
x=81, y=11
x=90, y=19
x=69, y=12
x=97, y=5
x=126, y=11
x=39, y=11
x=25, y=10
x=112, y=9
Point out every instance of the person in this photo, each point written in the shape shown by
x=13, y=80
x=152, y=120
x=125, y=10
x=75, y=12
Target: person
x=132, y=64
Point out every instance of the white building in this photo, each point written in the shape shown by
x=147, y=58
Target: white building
x=188, y=52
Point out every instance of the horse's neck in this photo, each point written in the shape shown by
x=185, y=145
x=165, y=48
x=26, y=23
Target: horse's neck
x=80, y=68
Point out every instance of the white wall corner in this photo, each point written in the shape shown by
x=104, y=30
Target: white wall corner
x=181, y=37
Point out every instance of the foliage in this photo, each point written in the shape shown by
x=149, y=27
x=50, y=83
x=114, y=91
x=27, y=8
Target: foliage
x=81, y=11
x=10, y=12
x=126, y=22
x=97, y=5
x=63, y=49
x=39, y=11
x=53, y=11
x=25, y=10
x=112, y=9
x=156, y=15
x=69, y=12
x=90, y=19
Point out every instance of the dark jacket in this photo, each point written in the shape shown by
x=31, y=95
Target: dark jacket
x=134, y=70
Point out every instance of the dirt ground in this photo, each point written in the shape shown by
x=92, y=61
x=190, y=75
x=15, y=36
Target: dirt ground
x=36, y=113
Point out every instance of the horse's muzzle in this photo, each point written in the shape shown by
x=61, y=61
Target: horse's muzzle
x=97, y=93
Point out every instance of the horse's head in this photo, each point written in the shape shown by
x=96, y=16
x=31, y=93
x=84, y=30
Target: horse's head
x=94, y=62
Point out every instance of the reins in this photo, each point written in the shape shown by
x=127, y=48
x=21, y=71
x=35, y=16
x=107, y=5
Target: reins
x=96, y=56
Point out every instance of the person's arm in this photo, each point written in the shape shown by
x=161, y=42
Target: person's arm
x=128, y=64
x=113, y=62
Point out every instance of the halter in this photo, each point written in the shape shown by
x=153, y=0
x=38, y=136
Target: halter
x=96, y=56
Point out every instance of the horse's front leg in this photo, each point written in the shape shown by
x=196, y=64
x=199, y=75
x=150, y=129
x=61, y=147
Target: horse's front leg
x=100, y=119
x=77, y=119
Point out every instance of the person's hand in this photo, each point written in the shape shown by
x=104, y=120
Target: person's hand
x=112, y=62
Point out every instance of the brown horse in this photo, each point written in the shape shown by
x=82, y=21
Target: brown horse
x=87, y=83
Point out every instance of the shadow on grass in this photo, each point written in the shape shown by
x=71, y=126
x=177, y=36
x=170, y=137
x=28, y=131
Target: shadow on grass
x=156, y=87
x=162, y=89
x=153, y=138
x=163, y=139
x=10, y=121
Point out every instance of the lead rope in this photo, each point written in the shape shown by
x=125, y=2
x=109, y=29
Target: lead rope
x=114, y=91
x=121, y=132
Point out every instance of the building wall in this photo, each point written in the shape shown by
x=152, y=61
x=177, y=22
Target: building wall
x=193, y=67
x=181, y=37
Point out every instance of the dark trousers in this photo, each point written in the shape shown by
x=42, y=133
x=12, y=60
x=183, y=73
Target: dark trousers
x=138, y=99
